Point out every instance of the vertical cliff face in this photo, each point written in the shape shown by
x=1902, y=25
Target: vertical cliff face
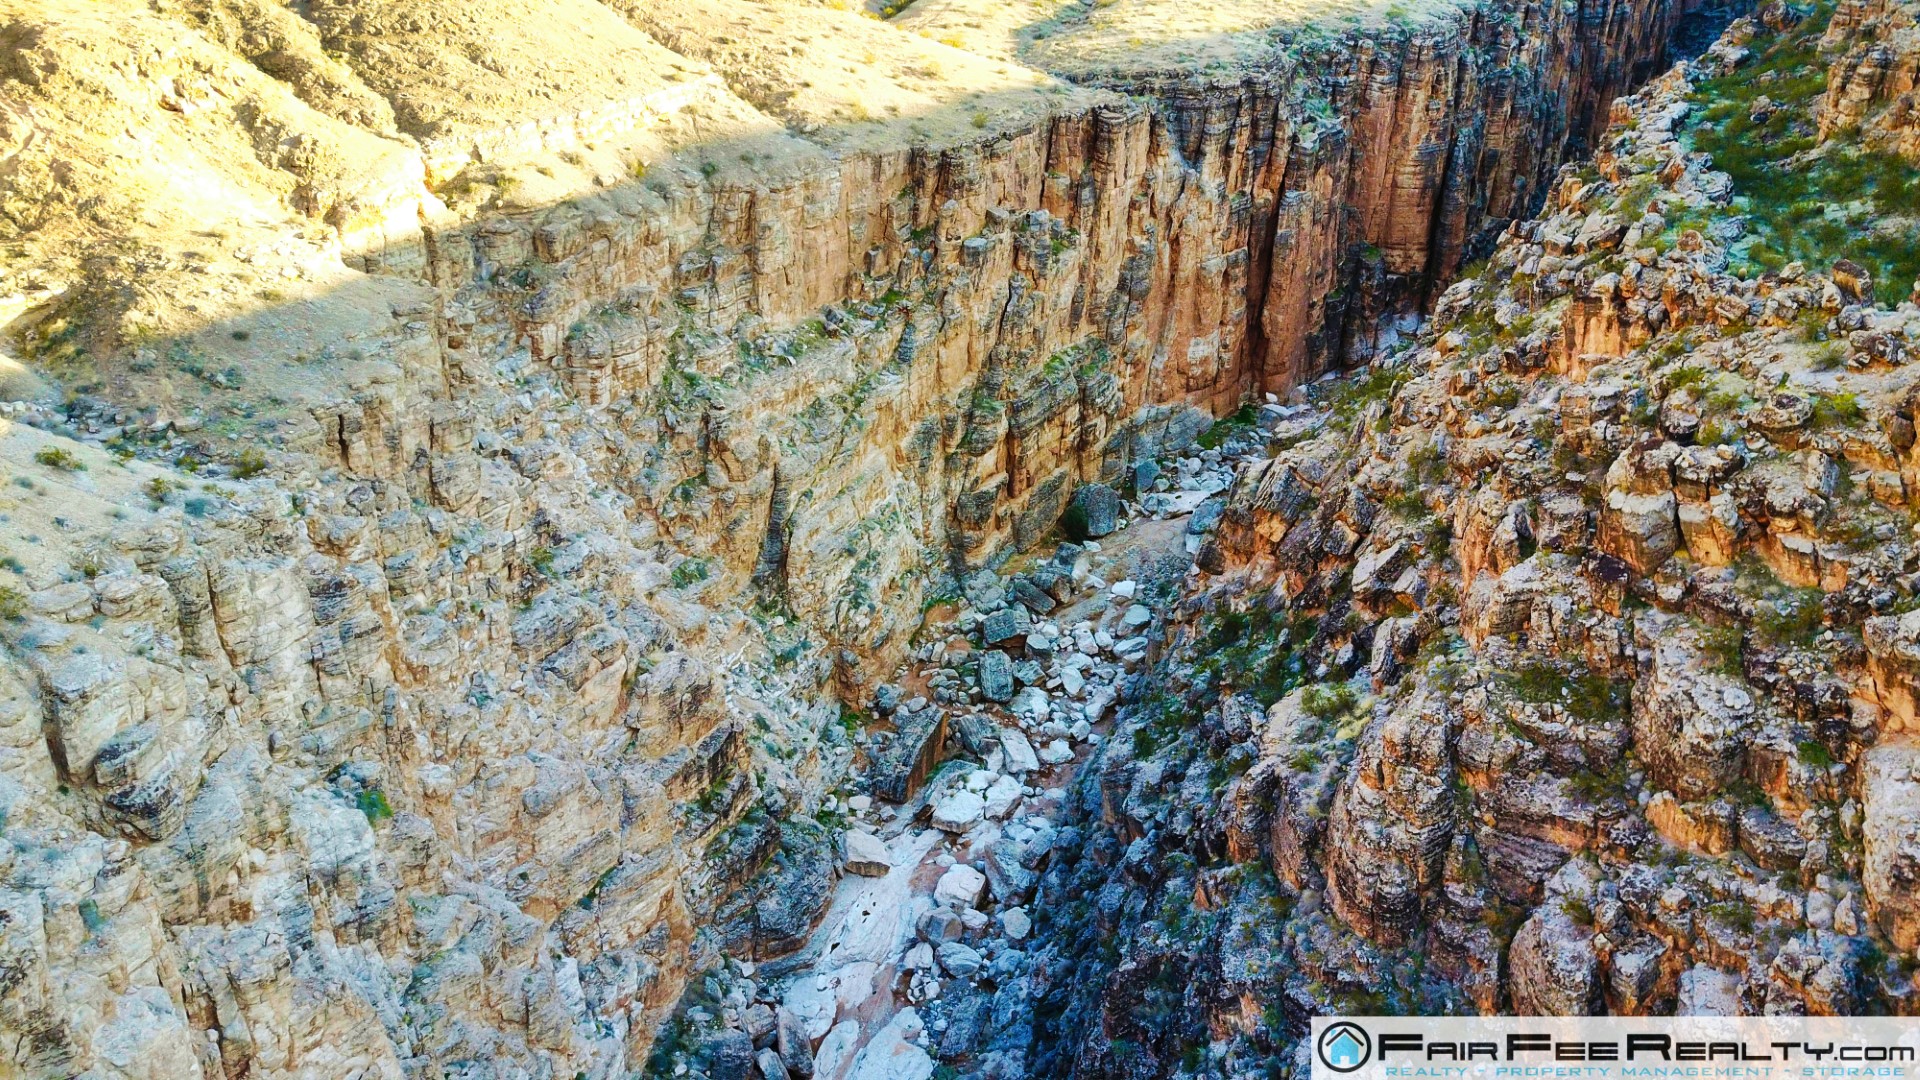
x=1008, y=318
x=1560, y=664
x=1392, y=159
x=436, y=594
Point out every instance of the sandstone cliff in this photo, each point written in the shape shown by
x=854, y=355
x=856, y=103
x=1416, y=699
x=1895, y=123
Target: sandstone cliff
x=1561, y=663
x=463, y=461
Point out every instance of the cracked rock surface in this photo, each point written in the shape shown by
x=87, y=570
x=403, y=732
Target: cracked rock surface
x=721, y=541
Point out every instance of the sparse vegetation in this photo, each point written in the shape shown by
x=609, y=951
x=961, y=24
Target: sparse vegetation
x=1242, y=419
x=688, y=572
x=1578, y=910
x=1585, y=695
x=59, y=458
x=541, y=559
x=1790, y=616
x=1836, y=410
x=158, y=488
x=373, y=803
x=1723, y=647
x=249, y=463
x=1815, y=753
x=1327, y=701
x=1804, y=200
x=1354, y=396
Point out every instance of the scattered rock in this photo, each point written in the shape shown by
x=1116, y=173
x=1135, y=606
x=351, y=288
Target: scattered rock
x=1019, y=752
x=996, y=676
x=1016, y=923
x=960, y=886
x=866, y=855
x=958, y=811
x=958, y=960
x=1031, y=704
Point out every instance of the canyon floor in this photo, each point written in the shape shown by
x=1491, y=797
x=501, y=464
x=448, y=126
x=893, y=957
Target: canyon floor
x=1016, y=539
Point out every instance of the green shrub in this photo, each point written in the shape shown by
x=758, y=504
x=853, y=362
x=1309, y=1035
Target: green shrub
x=13, y=603
x=1599, y=785
x=1840, y=409
x=688, y=572
x=59, y=457
x=1716, y=433
x=1144, y=742
x=373, y=803
x=1587, y=696
x=249, y=463
x=1354, y=396
x=1735, y=913
x=1410, y=504
x=1327, y=700
x=1684, y=377
x=1815, y=753
x=541, y=559
x=1790, y=617
x=158, y=488
x=1503, y=394
x=1242, y=419
x=1724, y=647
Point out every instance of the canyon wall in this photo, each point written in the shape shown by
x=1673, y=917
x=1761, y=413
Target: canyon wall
x=475, y=684
x=1561, y=665
x=958, y=338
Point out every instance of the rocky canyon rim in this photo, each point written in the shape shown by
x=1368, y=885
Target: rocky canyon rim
x=480, y=485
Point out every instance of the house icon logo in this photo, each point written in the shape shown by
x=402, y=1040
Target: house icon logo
x=1344, y=1047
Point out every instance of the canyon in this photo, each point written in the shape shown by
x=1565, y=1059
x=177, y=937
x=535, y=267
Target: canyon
x=982, y=538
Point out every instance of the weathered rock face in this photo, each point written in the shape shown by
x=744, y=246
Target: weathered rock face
x=1563, y=662
x=480, y=688
x=1392, y=822
x=1007, y=318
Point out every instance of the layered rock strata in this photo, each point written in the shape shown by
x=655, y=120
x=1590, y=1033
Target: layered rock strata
x=1561, y=664
x=430, y=603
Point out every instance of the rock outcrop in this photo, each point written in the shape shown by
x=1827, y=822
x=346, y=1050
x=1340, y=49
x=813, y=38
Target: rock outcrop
x=1563, y=660
x=472, y=476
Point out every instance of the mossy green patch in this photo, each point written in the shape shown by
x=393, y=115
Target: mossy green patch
x=1805, y=200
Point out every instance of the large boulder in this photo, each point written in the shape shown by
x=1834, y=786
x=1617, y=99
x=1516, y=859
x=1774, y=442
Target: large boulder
x=960, y=886
x=996, y=676
x=1893, y=659
x=791, y=1042
x=867, y=855
x=771, y=1065
x=1005, y=625
x=957, y=811
x=729, y=1056
x=1019, y=752
x=892, y=1053
x=905, y=764
x=1690, y=724
x=1640, y=524
x=1097, y=510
